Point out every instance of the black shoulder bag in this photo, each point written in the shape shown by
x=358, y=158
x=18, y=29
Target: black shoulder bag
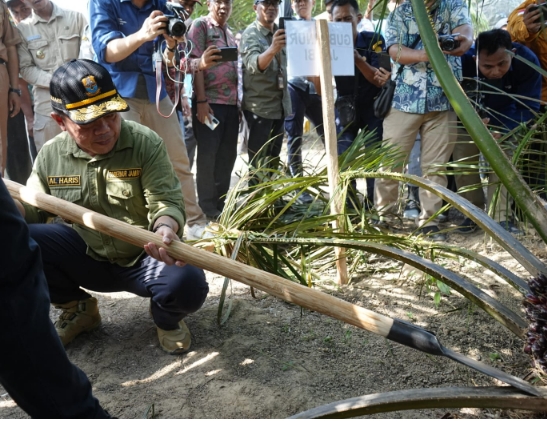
x=384, y=99
x=345, y=106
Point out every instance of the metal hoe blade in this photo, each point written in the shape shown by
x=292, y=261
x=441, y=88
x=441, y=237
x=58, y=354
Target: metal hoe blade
x=492, y=372
x=426, y=341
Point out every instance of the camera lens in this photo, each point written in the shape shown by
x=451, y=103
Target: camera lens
x=176, y=27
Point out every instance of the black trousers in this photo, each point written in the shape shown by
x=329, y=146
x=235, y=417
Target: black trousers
x=216, y=156
x=19, y=162
x=34, y=368
x=175, y=291
x=262, y=132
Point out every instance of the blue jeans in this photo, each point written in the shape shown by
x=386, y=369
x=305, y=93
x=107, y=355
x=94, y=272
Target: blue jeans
x=303, y=104
x=34, y=368
x=175, y=292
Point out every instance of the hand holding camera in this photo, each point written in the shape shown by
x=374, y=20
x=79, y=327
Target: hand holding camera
x=153, y=26
x=454, y=44
x=172, y=27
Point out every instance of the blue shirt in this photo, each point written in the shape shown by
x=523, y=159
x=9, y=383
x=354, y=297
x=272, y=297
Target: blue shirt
x=418, y=90
x=112, y=19
x=507, y=111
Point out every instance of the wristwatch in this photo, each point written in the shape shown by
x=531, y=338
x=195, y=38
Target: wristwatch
x=17, y=91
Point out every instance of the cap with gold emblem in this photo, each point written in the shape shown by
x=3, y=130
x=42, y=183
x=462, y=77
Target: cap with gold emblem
x=84, y=91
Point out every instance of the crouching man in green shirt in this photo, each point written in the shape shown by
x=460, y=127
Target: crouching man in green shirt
x=120, y=169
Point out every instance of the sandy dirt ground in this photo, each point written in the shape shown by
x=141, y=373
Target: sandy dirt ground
x=273, y=360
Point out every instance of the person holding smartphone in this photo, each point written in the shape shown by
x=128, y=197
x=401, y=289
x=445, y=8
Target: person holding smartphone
x=215, y=98
x=526, y=25
x=266, y=100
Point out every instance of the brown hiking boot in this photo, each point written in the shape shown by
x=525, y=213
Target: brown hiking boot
x=175, y=341
x=77, y=317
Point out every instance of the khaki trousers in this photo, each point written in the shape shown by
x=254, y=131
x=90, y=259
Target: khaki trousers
x=466, y=152
x=144, y=112
x=45, y=128
x=438, y=134
x=4, y=113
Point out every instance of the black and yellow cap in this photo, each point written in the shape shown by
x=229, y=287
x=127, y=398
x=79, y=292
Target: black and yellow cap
x=84, y=91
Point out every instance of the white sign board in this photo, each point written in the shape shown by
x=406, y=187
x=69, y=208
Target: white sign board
x=302, y=48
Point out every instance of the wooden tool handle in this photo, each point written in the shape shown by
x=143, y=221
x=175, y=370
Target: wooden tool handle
x=264, y=281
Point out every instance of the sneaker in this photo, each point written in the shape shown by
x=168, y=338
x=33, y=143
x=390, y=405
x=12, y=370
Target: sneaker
x=510, y=227
x=77, y=317
x=443, y=217
x=198, y=232
x=304, y=199
x=175, y=341
x=411, y=210
x=466, y=227
x=433, y=233
x=383, y=224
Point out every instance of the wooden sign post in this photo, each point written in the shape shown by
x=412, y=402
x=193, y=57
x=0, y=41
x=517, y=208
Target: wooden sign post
x=327, y=98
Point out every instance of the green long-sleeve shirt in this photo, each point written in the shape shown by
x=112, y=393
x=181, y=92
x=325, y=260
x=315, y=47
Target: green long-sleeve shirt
x=134, y=183
x=261, y=93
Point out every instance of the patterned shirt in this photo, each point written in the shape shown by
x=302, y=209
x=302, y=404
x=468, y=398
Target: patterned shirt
x=418, y=89
x=221, y=79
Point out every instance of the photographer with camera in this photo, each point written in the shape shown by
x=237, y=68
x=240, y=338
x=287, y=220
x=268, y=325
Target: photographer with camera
x=419, y=103
x=498, y=71
x=129, y=37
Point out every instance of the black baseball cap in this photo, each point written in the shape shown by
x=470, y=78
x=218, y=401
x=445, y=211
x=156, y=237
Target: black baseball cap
x=83, y=90
x=268, y=1
x=11, y=3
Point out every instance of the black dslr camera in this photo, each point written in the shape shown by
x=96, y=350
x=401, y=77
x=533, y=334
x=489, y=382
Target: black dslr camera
x=448, y=42
x=176, y=26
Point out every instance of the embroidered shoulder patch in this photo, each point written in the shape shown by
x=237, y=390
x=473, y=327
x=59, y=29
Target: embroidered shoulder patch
x=129, y=173
x=63, y=180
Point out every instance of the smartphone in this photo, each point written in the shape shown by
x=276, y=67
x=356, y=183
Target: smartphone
x=384, y=61
x=211, y=122
x=282, y=21
x=543, y=8
x=227, y=54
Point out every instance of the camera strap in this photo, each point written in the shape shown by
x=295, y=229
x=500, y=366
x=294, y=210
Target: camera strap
x=159, y=66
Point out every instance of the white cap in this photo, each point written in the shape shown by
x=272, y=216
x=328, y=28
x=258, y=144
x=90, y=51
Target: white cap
x=500, y=23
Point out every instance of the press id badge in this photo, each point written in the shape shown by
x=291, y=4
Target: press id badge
x=280, y=81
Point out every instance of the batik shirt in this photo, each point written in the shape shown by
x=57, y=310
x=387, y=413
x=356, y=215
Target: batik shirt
x=221, y=79
x=418, y=90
